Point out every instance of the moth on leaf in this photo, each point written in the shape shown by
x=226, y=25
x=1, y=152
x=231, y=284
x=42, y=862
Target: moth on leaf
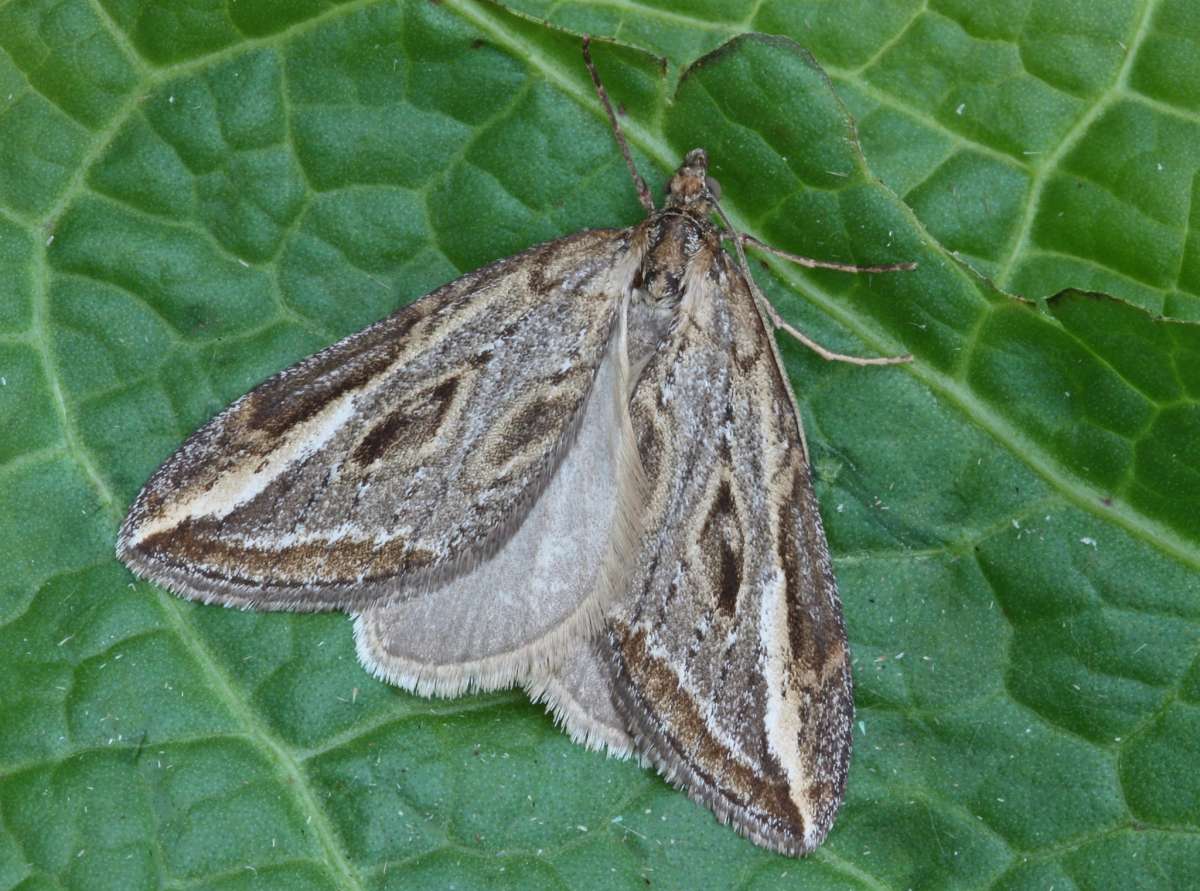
x=579, y=469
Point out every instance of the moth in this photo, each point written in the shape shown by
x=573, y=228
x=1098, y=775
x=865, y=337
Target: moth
x=579, y=469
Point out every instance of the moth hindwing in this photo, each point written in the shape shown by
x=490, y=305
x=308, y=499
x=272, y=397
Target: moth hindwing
x=579, y=469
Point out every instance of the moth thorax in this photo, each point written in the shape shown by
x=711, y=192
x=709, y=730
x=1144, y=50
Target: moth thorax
x=676, y=242
x=691, y=187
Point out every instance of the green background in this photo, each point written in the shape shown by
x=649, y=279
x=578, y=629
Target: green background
x=194, y=195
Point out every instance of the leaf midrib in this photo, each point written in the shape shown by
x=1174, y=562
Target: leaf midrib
x=1073, y=488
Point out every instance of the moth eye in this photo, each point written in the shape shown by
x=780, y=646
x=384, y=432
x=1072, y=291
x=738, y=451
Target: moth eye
x=714, y=188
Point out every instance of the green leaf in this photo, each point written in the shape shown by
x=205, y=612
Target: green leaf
x=192, y=196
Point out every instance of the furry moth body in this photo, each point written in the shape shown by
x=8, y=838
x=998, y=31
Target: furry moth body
x=579, y=469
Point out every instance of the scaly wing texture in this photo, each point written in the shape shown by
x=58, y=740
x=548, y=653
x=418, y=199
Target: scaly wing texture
x=397, y=457
x=543, y=592
x=732, y=669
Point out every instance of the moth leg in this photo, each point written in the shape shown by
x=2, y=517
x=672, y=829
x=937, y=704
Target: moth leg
x=640, y=184
x=823, y=264
x=773, y=316
x=824, y=353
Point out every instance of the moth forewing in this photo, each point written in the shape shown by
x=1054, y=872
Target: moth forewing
x=399, y=457
x=731, y=668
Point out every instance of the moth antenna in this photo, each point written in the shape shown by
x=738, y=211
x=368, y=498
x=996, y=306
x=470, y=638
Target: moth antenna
x=772, y=314
x=640, y=184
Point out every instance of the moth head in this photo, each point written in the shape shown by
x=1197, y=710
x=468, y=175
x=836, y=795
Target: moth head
x=691, y=187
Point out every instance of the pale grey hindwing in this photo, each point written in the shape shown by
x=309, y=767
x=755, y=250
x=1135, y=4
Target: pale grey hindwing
x=543, y=594
x=398, y=457
x=731, y=664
